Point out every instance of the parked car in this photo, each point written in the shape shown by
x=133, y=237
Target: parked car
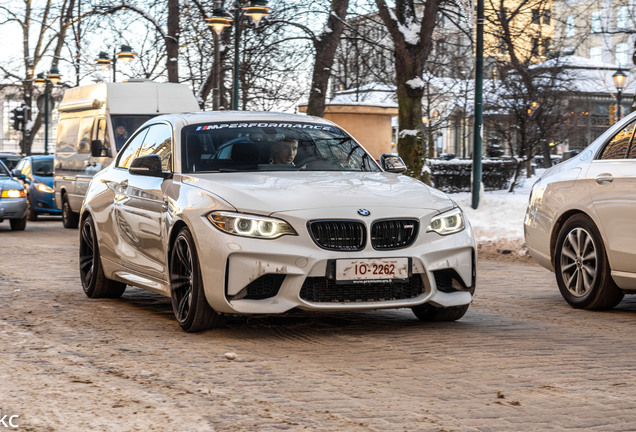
x=12, y=200
x=36, y=173
x=580, y=220
x=10, y=160
x=229, y=231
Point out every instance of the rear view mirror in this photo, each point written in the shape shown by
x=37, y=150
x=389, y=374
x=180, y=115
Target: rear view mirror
x=392, y=163
x=98, y=149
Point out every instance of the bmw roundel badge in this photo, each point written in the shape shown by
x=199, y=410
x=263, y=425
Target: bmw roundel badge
x=364, y=212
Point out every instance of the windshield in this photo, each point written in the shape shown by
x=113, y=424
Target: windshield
x=43, y=167
x=3, y=170
x=10, y=161
x=125, y=125
x=271, y=146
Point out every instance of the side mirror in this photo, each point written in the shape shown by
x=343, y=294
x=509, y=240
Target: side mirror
x=149, y=165
x=99, y=150
x=392, y=163
x=17, y=174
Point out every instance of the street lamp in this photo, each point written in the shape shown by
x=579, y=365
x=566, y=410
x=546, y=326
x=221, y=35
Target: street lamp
x=619, y=78
x=51, y=79
x=220, y=19
x=125, y=54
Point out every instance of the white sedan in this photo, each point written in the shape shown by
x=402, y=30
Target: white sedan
x=580, y=220
x=251, y=213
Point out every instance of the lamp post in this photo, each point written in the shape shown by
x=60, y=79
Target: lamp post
x=52, y=78
x=125, y=54
x=220, y=19
x=619, y=78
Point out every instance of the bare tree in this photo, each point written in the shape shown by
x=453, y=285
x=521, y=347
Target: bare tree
x=412, y=42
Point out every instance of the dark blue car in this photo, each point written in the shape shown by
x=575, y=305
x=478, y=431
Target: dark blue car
x=36, y=173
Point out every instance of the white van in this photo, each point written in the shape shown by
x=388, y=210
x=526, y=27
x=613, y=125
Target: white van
x=95, y=122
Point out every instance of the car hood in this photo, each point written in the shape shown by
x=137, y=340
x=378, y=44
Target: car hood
x=267, y=192
x=10, y=183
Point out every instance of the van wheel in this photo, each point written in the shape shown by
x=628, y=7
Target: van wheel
x=70, y=219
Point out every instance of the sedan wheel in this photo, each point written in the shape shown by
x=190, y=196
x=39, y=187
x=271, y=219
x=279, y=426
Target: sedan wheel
x=581, y=267
x=94, y=283
x=186, y=287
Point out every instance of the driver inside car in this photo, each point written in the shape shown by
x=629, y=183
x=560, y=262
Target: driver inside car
x=284, y=151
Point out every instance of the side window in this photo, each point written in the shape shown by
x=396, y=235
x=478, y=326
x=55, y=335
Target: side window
x=67, y=135
x=159, y=141
x=619, y=144
x=101, y=132
x=129, y=152
x=20, y=165
x=84, y=136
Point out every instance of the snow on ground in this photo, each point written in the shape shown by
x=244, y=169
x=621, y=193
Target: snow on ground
x=498, y=220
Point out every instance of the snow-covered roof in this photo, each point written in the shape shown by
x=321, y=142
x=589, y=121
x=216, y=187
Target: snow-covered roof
x=374, y=94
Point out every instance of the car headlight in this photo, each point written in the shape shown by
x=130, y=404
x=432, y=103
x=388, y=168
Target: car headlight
x=446, y=223
x=250, y=225
x=44, y=188
x=13, y=193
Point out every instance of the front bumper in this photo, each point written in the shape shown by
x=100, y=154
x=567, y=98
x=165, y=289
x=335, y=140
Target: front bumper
x=230, y=265
x=44, y=202
x=12, y=208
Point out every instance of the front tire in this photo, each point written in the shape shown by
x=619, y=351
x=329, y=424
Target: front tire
x=70, y=219
x=189, y=304
x=94, y=283
x=581, y=266
x=18, y=224
x=31, y=213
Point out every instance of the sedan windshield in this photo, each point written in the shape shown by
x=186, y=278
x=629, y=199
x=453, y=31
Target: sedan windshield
x=4, y=172
x=271, y=146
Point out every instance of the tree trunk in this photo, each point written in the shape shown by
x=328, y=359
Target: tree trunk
x=326, y=47
x=172, y=41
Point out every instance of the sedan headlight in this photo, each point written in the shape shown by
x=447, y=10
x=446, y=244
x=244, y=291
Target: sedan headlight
x=446, y=223
x=13, y=193
x=250, y=225
x=44, y=188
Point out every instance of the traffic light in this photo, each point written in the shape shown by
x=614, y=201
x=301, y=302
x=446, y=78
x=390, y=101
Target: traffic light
x=17, y=118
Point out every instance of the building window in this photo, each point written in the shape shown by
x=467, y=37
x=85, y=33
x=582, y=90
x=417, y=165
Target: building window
x=622, y=15
x=595, y=24
x=536, y=16
x=596, y=54
x=539, y=16
x=546, y=16
x=569, y=26
x=622, y=54
x=547, y=42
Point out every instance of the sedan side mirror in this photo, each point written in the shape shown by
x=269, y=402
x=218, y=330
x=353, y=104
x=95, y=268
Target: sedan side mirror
x=18, y=174
x=98, y=149
x=392, y=163
x=149, y=165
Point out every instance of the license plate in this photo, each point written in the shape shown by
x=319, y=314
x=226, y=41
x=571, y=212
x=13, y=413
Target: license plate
x=372, y=269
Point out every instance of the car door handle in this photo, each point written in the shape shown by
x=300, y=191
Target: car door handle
x=604, y=179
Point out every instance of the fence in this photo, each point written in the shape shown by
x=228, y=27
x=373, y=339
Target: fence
x=455, y=175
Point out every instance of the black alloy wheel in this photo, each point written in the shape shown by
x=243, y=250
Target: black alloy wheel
x=189, y=304
x=94, y=283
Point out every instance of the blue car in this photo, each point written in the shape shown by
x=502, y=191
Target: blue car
x=36, y=173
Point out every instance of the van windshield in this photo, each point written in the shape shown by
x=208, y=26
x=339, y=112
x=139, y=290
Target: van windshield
x=125, y=125
x=271, y=146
